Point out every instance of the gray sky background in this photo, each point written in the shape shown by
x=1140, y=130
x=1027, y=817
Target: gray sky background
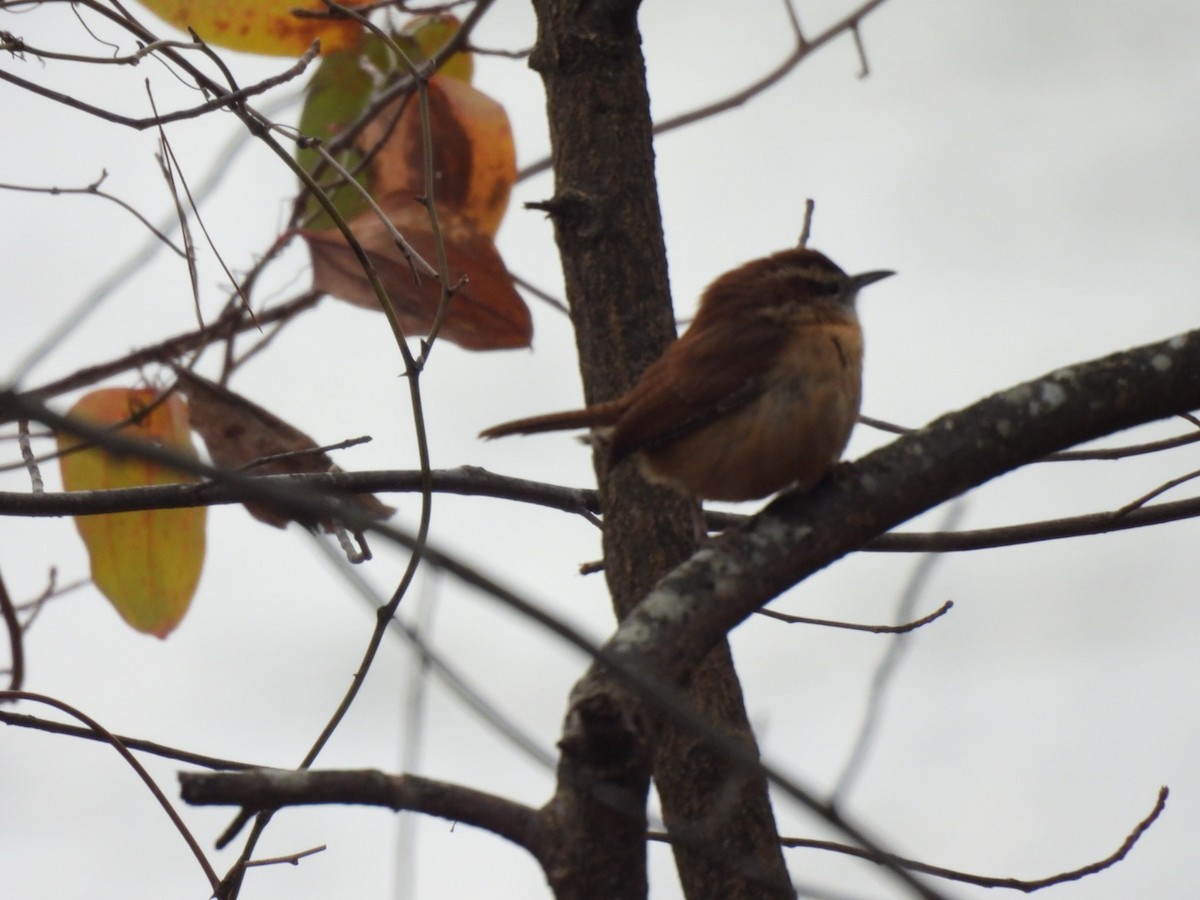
x=1030, y=170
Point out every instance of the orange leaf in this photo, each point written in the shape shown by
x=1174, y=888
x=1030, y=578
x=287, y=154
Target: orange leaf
x=259, y=26
x=238, y=433
x=485, y=313
x=475, y=162
x=146, y=563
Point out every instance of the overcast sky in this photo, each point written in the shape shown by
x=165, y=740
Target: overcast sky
x=1029, y=168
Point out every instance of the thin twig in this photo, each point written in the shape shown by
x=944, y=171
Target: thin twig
x=292, y=859
x=861, y=50
x=224, y=100
x=802, y=49
x=27, y=457
x=13, y=44
x=806, y=230
x=346, y=137
x=175, y=167
x=885, y=670
x=451, y=678
x=415, y=260
x=1161, y=489
x=421, y=81
x=131, y=760
x=16, y=644
x=168, y=165
x=1027, y=886
x=93, y=190
x=1104, y=453
x=549, y=299
x=153, y=748
x=415, y=705
x=306, y=451
x=232, y=322
x=852, y=626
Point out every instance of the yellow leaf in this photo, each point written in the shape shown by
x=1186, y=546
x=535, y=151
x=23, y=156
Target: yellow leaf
x=430, y=33
x=146, y=563
x=259, y=26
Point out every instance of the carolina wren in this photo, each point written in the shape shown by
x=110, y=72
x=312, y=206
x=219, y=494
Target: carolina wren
x=759, y=394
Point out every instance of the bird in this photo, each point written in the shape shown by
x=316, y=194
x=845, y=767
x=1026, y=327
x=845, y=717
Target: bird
x=759, y=394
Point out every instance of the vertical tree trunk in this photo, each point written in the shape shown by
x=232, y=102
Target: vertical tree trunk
x=609, y=233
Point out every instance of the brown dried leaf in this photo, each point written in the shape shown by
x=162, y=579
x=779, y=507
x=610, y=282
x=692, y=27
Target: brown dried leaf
x=238, y=433
x=485, y=312
x=475, y=161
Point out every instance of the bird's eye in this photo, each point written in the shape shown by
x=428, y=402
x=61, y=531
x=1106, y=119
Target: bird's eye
x=825, y=288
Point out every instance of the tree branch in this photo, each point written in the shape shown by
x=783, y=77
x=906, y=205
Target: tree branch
x=691, y=610
x=141, y=745
x=473, y=481
x=797, y=535
x=1025, y=885
x=802, y=50
x=272, y=789
x=233, y=321
x=224, y=100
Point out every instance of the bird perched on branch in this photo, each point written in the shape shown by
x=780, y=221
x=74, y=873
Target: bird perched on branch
x=759, y=394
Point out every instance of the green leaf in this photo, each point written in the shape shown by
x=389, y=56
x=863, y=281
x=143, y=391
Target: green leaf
x=340, y=89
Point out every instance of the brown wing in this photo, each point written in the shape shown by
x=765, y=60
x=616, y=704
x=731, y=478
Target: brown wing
x=704, y=375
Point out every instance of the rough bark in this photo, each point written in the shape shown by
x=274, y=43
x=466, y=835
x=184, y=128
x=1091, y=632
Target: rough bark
x=609, y=234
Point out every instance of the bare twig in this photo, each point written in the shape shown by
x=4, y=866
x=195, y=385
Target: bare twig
x=802, y=49
x=416, y=261
x=27, y=457
x=225, y=99
x=271, y=789
x=851, y=626
x=141, y=745
x=415, y=705
x=93, y=190
x=1161, y=489
x=862, y=50
x=549, y=299
x=52, y=589
x=12, y=44
x=420, y=80
x=451, y=678
x=292, y=859
x=169, y=168
x=307, y=451
x=132, y=762
x=882, y=678
x=457, y=42
x=1106, y=453
x=16, y=644
x=474, y=481
x=168, y=165
x=231, y=322
x=1027, y=886
x=806, y=230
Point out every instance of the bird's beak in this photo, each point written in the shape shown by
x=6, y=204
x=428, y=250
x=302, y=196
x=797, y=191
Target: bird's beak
x=861, y=281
